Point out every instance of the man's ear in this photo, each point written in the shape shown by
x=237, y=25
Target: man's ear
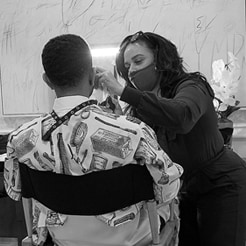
x=47, y=81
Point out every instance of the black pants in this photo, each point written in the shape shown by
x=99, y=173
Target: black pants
x=213, y=205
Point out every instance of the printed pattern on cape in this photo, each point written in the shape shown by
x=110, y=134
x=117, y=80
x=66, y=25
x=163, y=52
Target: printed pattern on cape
x=90, y=140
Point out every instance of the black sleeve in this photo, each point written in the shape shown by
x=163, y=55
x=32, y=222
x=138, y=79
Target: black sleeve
x=178, y=114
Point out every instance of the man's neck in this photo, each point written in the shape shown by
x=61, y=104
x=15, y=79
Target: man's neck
x=65, y=92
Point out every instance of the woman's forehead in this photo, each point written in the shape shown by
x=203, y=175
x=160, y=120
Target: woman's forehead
x=137, y=48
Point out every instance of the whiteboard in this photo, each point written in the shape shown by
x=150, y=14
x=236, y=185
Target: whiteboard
x=203, y=30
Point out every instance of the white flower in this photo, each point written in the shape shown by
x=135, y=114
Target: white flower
x=218, y=66
x=225, y=82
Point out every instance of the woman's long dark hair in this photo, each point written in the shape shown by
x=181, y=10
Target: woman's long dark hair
x=167, y=59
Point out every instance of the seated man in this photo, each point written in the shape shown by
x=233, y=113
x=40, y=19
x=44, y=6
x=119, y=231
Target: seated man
x=77, y=138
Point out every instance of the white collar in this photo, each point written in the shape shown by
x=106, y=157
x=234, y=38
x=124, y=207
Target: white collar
x=62, y=105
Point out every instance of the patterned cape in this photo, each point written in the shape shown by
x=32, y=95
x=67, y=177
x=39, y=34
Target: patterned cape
x=90, y=139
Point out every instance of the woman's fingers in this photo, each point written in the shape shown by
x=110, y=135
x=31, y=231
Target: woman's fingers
x=100, y=69
x=106, y=80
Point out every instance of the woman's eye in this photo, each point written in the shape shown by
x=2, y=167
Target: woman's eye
x=138, y=62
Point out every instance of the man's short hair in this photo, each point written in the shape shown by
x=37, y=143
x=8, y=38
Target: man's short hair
x=66, y=59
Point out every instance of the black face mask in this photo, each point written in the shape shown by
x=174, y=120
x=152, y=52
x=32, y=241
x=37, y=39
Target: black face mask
x=145, y=79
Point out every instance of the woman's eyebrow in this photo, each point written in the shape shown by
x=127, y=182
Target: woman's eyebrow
x=136, y=56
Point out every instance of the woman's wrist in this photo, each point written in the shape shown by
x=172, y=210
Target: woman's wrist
x=131, y=96
x=120, y=90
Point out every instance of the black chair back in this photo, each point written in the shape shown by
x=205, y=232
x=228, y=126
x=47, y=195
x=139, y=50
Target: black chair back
x=92, y=194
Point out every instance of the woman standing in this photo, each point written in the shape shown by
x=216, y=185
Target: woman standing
x=178, y=105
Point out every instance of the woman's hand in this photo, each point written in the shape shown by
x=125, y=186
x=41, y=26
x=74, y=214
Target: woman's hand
x=106, y=79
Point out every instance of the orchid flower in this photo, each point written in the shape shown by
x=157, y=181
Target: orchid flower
x=225, y=82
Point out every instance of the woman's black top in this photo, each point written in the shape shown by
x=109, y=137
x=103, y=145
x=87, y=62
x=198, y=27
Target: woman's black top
x=186, y=125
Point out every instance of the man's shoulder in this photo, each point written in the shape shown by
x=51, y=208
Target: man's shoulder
x=32, y=124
